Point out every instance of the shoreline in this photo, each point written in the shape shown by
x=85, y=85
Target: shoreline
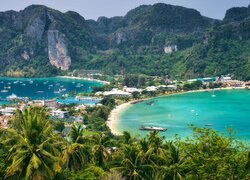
x=114, y=116
x=65, y=77
x=115, y=113
x=80, y=78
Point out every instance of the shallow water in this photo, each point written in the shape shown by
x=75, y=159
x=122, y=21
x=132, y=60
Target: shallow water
x=43, y=88
x=229, y=108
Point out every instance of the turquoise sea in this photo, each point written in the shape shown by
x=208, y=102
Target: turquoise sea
x=224, y=109
x=42, y=88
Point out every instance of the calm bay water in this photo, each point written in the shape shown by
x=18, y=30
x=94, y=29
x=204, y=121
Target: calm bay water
x=42, y=88
x=228, y=108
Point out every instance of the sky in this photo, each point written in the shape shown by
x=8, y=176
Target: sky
x=92, y=9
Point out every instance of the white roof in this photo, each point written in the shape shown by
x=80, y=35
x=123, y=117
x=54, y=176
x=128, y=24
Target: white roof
x=60, y=111
x=171, y=86
x=151, y=88
x=116, y=92
x=131, y=89
x=227, y=78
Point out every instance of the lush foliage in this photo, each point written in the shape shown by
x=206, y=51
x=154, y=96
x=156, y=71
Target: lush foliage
x=131, y=44
x=31, y=149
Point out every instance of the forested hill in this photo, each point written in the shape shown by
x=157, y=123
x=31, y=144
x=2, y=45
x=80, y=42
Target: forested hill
x=155, y=39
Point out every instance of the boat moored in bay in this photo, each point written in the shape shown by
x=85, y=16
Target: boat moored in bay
x=152, y=128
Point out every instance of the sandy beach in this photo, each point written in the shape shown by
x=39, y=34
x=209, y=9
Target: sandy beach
x=114, y=115
x=88, y=79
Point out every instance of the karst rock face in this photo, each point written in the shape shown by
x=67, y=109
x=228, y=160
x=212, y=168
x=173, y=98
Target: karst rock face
x=36, y=31
x=58, y=52
x=157, y=39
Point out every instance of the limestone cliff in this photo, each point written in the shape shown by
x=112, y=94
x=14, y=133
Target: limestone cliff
x=57, y=49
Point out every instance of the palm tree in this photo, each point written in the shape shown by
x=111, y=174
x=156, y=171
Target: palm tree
x=101, y=154
x=76, y=134
x=35, y=148
x=127, y=137
x=132, y=167
x=175, y=166
x=144, y=145
x=75, y=154
x=156, y=152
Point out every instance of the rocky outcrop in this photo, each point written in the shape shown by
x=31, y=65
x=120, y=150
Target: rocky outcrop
x=36, y=28
x=120, y=37
x=57, y=48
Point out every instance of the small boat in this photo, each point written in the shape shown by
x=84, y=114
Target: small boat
x=135, y=102
x=208, y=124
x=4, y=91
x=58, y=92
x=150, y=103
x=78, y=85
x=152, y=128
x=40, y=91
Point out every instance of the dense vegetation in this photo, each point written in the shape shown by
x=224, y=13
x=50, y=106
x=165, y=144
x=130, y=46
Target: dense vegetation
x=32, y=149
x=130, y=44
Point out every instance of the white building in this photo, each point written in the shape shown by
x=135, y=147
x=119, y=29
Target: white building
x=131, y=89
x=60, y=114
x=151, y=88
x=8, y=110
x=225, y=78
x=172, y=86
x=116, y=92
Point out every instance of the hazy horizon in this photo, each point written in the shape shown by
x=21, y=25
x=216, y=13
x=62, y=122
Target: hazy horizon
x=110, y=8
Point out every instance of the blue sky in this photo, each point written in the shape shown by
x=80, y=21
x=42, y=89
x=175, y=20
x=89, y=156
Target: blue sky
x=92, y=9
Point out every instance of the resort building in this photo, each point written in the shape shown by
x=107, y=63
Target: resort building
x=151, y=88
x=8, y=110
x=225, y=78
x=173, y=87
x=131, y=89
x=52, y=103
x=60, y=114
x=116, y=92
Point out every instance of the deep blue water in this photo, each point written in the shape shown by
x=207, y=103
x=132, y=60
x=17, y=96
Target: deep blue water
x=43, y=88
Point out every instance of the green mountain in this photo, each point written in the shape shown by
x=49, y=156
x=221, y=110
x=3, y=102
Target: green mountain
x=155, y=39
